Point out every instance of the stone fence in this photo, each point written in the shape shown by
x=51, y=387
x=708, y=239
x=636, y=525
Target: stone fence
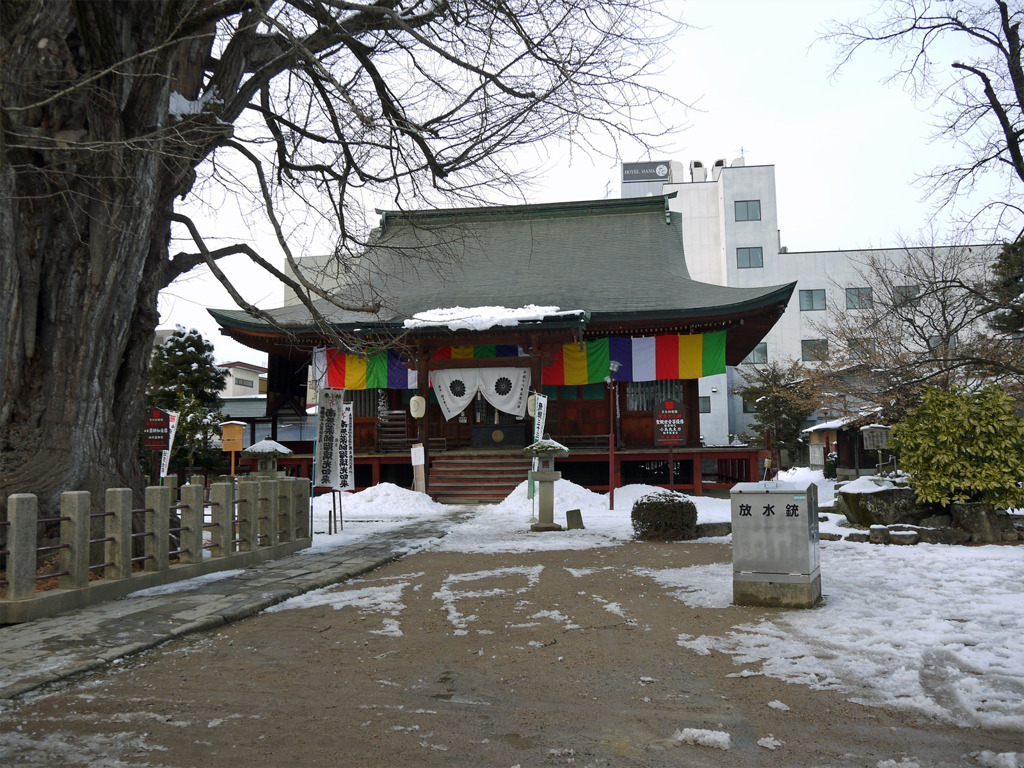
x=179, y=534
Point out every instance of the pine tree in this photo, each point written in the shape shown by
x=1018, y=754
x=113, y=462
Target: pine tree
x=185, y=380
x=184, y=363
x=782, y=400
x=1006, y=289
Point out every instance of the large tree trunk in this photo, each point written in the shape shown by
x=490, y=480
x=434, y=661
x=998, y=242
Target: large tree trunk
x=86, y=193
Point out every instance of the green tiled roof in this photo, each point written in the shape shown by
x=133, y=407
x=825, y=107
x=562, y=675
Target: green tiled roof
x=614, y=259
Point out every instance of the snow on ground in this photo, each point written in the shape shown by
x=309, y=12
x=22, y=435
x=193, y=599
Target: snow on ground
x=505, y=527
x=931, y=628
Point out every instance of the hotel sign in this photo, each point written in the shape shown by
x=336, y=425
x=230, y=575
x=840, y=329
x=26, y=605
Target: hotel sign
x=653, y=171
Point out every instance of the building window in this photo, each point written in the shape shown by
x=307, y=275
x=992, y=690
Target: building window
x=243, y=382
x=858, y=298
x=813, y=300
x=813, y=350
x=705, y=404
x=749, y=258
x=648, y=395
x=861, y=349
x=758, y=355
x=748, y=407
x=906, y=295
x=748, y=210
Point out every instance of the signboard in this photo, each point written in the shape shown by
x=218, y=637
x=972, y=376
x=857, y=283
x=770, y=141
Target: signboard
x=334, y=463
x=876, y=438
x=669, y=424
x=656, y=170
x=232, y=435
x=156, y=435
x=418, y=456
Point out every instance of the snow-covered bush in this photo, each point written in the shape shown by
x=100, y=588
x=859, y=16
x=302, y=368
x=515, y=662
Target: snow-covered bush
x=664, y=517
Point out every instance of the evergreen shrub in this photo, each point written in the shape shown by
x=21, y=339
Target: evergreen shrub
x=664, y=516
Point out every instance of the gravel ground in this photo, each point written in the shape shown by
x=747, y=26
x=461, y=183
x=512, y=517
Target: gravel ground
x=532, y=659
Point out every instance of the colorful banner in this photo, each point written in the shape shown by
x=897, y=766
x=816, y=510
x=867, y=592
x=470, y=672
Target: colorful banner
x=647, y=358
x=381, y=370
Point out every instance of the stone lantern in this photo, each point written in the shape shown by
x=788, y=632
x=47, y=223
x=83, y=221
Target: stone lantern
x=266, y=453
x=546, y=451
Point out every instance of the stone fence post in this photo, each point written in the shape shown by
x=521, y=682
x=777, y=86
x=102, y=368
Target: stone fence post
x=118, y=506
x=286, y=516
x=267, y=512
x=158, y=512
x=76, y=506
x=192, y=515
x=248, y=504
x=23, y=514
x=303, y=524
x=222, y=515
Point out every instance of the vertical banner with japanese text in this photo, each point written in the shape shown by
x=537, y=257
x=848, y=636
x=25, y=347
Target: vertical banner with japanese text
x=346, y=450
x=329, y=404
x=540, y=416
x=165, y=457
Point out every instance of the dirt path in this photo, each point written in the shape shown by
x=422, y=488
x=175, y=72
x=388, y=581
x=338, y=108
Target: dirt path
x=538, y=659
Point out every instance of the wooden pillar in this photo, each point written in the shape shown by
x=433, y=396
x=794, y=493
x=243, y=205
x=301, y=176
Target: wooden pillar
x=691, y=404
x=423, y=390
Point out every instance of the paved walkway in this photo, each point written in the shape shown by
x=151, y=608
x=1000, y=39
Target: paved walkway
x=58, y=647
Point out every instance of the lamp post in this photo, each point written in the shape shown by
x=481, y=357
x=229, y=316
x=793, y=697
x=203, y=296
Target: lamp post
x=613, y=390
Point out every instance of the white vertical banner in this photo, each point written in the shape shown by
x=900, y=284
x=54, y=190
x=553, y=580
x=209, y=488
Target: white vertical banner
x=328, y=433
x=346, y=450
x=540, y=410
x=165, y=456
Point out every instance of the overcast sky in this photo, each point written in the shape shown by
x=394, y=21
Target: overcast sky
x=846, y=149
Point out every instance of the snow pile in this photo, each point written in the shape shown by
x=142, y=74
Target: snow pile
x=368, y=513
x=988, y=759
x=482, y=318
x=769, y=742
x=703, y=738
x=803, y=477
x=866, y=485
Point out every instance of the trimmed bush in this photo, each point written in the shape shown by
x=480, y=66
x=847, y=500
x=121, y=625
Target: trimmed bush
x=664, y=517
x=963, y=446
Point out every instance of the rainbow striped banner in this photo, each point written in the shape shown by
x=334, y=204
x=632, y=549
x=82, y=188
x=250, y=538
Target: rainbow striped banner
x=485, y=350
x=382, y=370
x=647, y=358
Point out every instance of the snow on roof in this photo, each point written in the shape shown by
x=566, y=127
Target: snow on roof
x=268, y=446
x=482, y=318
x=834, y=424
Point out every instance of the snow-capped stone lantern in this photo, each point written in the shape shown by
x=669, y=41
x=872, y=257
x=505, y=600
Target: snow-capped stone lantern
x=546, y=451
x=266, y=452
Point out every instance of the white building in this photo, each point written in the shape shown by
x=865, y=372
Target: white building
x=243, y=380
x=731, y=237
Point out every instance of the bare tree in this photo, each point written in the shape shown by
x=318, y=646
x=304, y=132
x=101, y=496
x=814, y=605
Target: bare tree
x=966, y=55
x=927, y=320
x=110, y=112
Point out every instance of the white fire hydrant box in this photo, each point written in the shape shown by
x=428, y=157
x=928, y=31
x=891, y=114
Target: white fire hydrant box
x=775, y=547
